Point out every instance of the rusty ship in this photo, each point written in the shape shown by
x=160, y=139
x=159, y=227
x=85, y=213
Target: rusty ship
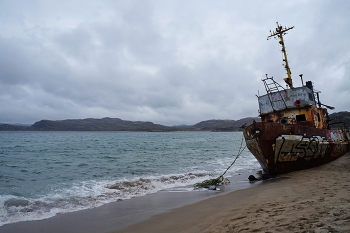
x=295, y=129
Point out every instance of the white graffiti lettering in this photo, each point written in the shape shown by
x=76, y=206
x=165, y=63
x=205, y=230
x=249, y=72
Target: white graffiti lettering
x=291, y=147
x=336, y=136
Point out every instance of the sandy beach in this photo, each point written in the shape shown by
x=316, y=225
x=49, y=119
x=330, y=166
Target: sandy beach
x=313, y=200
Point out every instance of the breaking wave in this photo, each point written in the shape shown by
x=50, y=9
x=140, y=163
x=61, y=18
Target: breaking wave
x=86, y=195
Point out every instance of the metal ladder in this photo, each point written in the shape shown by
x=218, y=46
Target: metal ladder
x=272, y=86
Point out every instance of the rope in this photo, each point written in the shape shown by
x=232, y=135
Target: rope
x=220, y=179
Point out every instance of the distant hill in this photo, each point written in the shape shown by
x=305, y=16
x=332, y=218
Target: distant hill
x=339, y=117
x=16, y=124
x=224, y=125
x=116, y=124
x=7, y=127
x=104, y=124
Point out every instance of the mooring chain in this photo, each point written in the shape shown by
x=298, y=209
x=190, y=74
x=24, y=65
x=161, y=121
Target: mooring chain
x=239, y=153
x=220, y=179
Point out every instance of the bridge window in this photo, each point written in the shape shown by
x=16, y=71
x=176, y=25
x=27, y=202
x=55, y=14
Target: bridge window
x=300, y=117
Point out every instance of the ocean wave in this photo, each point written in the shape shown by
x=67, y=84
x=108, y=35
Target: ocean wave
x=56, y=173
x=90, y=194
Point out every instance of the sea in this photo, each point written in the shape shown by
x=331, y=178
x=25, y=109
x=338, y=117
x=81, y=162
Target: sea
x=43, y=174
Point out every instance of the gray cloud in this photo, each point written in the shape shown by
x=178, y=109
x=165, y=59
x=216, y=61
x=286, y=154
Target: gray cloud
x=170, y=62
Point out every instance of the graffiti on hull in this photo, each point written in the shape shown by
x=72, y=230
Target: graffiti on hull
x=336, y=136
x=291, y=147
x=339, y=138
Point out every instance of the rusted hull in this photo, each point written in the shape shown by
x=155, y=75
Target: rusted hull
x=283, y=148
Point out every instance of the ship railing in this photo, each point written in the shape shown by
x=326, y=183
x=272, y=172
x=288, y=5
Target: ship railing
x=272, y=86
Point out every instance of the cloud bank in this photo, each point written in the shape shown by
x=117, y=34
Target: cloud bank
x=169, y=62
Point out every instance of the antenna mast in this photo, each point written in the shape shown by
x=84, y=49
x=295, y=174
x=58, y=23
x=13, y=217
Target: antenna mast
x=280, y=31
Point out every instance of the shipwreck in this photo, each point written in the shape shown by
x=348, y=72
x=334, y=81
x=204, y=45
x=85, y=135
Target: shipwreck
x=295, y=130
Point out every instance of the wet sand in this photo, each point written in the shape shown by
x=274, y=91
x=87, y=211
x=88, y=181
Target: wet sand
x=314, y=200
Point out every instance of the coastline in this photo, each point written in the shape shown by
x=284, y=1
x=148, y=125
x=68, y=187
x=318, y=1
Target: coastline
x=121, y=214
x=312, y=200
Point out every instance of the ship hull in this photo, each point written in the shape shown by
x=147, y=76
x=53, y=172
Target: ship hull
x=283, y=148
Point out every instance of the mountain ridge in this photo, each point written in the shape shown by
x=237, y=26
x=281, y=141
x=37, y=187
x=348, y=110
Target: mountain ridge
x=117, y=124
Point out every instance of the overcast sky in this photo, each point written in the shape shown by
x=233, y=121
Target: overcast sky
x=169, y=62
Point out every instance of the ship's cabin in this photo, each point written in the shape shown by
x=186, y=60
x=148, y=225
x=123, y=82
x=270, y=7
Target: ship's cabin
x=292, y=106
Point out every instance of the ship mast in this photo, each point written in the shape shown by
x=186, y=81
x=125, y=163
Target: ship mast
x=280, y=31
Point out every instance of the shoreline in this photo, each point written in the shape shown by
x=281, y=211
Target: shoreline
x=312, y=200
x=118, y=215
